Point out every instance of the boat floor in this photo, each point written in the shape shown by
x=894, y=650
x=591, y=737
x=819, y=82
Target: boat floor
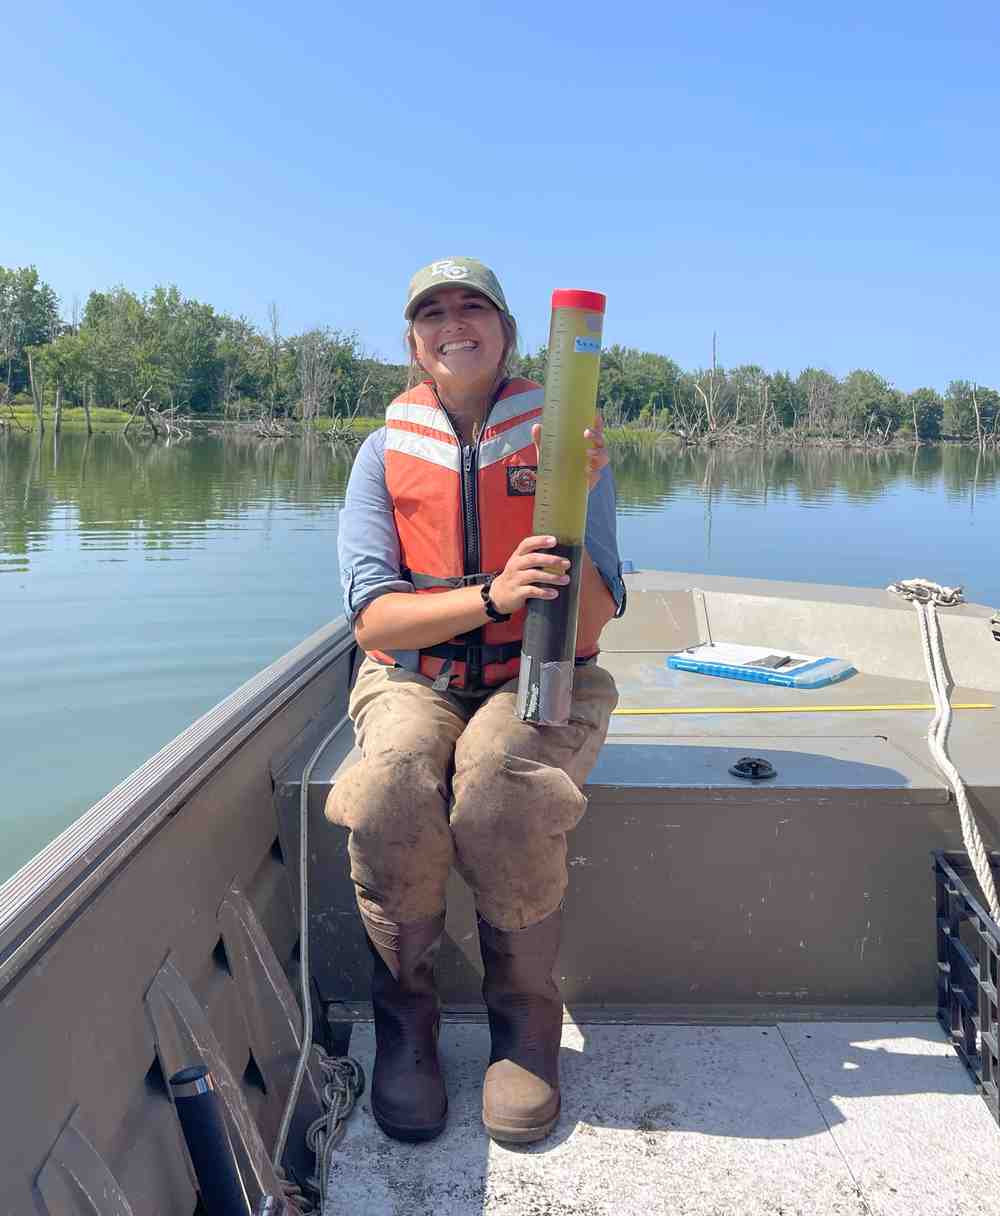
x=867, y=1118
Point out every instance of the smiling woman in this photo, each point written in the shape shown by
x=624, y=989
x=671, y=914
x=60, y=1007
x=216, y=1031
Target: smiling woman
x=438, y=563
x=457, y=336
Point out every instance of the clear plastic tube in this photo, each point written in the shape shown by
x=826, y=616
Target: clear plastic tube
x=545, y=689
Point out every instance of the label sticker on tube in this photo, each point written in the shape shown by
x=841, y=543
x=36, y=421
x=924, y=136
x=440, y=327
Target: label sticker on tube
x=587, y=346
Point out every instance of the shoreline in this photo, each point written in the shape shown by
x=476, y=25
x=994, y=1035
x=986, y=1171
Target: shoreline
x=108, y=420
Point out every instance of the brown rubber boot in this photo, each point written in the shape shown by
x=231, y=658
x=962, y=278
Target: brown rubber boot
x=408, y=1095
x=521, y=1090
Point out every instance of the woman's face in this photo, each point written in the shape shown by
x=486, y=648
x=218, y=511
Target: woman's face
x=458, y=338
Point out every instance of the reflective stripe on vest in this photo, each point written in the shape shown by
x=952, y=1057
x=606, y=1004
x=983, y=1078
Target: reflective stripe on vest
x=424, y=477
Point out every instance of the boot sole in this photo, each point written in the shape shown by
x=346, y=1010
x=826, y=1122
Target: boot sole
x=520, y=1135
x=410, y=1135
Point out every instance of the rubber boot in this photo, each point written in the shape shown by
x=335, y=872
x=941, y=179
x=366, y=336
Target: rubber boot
x=408, y=1095
x=521, y=1090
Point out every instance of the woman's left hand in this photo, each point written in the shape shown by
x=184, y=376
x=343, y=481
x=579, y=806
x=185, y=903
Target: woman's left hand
x=597, y=452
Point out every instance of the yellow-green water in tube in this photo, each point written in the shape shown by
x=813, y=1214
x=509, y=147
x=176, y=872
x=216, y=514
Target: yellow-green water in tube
x=574, y=365
x=545, y=687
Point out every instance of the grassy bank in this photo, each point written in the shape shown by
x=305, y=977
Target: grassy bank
x=107, y=418
x=641, y=436
x=73, y=418
x=358, y=426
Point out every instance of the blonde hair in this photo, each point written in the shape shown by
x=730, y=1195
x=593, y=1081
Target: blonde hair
x=416, y=373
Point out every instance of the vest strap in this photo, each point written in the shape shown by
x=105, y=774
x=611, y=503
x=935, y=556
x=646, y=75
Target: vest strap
x=444, y=677
x=422, y=581
x=474, y=652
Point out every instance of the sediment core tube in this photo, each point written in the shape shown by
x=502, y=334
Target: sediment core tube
x=545, y=687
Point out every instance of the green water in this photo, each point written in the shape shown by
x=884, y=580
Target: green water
x=139, y=584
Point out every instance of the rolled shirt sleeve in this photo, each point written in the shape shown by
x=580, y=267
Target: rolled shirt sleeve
x=367, y=541
x=602, y=536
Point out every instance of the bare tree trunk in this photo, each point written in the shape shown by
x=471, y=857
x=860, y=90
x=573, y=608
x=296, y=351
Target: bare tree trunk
x=86, y=406
x=141, y=410
x=916, y=428
x=316, y=373
x=980, y=437
x=57, y=409
x=366, y=384
x=710, y=398
x=36, y=393
x=275, y=352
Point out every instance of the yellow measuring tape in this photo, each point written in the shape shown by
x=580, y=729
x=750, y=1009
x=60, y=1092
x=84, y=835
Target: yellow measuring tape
x=791, y=709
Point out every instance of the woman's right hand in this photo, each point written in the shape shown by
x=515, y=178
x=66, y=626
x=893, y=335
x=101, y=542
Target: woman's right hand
x=530, y=573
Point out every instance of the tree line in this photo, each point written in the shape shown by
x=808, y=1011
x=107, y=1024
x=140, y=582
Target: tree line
x=169, y=353
x=166, y=352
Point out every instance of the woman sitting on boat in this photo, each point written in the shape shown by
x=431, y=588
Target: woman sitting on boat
x=438, y=562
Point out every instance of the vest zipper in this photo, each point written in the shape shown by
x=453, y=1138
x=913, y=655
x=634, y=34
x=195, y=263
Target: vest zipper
x=470, y=521
x=469, y=475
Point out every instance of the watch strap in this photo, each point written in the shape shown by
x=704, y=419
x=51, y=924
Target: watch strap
x=492, y=611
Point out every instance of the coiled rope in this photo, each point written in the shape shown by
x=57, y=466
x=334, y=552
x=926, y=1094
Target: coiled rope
x=926, y=598
x=343, y=1084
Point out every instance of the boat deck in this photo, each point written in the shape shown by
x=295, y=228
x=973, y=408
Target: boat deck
x=868, y=709
x=794, y=1119
x=878, y=633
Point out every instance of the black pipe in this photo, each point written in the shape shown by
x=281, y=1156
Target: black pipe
x=545, y=686
x=208, y=1143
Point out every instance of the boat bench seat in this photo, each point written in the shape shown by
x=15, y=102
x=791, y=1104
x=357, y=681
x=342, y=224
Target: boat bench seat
x=810, y=890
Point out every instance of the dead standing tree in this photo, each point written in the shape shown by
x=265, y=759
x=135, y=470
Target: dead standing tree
x=37, y=389
x=274, y=360
x=342, y=428
x=317, y=373
x=709, y=392
x=711, y=388
x=980, y=434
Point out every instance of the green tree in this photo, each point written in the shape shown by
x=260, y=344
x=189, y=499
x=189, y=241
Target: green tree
x=819, y=391
x=959, y=421
x=29, y=317
x=183, y=337
x=787, y=398
x=927, y=406
x=869, y=404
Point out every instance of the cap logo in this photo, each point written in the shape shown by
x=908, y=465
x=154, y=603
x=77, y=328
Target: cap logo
x=448, y=269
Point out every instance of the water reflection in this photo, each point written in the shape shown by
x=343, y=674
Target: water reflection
x=156, y=490
x=650, y=475
x=160, y=491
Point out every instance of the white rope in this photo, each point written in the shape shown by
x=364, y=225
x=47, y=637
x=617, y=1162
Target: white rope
x=343, y=1084
x=343, y=1078
x=926, y=597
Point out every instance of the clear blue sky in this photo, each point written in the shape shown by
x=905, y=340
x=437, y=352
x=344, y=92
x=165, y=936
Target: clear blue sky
x=819, y=184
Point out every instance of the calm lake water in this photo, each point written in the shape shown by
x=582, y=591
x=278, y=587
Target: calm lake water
x=140, y=584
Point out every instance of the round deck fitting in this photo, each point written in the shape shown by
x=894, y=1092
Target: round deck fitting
x=753, y=768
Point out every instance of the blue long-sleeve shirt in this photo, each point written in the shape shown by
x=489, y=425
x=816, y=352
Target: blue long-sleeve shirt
x=368, y=544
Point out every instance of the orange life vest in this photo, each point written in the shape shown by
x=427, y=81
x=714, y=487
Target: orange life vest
x=460, y=512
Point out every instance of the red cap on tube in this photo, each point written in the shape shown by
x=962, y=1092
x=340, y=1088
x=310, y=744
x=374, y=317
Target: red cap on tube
x=592, y=301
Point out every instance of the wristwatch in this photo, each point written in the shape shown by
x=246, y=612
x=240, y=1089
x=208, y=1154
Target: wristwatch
x=492, y=611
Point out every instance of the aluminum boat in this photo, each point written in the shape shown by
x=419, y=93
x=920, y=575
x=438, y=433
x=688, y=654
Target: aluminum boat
x=752, y=970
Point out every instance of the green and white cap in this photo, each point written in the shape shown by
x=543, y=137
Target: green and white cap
x=454, y=272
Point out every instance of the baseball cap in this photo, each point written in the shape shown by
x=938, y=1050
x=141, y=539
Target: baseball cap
x=454, y=272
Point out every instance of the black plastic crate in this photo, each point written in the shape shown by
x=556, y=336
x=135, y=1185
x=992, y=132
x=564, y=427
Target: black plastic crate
x=968, y=950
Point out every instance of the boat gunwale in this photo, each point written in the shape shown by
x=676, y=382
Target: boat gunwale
x=45, y=892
